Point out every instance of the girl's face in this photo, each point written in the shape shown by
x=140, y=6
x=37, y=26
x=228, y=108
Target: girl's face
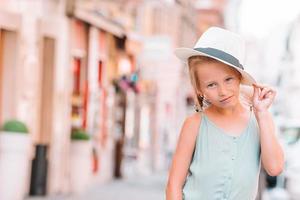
x=219, y=84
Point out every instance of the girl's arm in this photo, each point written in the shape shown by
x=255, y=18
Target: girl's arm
x=182, y=157
x=271, y=151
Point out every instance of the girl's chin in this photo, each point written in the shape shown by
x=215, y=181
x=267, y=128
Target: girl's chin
x=230, y=104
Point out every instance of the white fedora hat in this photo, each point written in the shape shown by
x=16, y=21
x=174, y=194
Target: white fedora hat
x=222, y=45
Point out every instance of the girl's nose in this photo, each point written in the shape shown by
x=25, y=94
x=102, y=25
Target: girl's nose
x=222, y=90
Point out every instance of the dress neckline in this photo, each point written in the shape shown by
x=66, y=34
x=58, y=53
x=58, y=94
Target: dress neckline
x=226, y=133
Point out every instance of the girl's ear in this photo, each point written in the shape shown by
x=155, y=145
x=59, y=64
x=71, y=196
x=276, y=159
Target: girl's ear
x=246, y=94
x=198, y=92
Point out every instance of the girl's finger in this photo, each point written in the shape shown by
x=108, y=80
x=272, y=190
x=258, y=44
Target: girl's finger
x=265, y=91
x=256, y=92
x=261, y=86
x=271, y=93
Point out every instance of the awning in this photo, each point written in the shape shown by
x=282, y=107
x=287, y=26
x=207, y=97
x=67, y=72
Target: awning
x=99, y=21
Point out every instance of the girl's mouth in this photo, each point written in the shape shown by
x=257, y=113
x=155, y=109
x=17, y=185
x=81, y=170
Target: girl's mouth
x=225, y=99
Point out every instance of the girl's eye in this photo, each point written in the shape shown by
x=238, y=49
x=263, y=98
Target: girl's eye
x=211, y=85
x=228, y=79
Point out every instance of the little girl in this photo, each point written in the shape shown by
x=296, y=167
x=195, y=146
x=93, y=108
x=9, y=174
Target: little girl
x=221, y=148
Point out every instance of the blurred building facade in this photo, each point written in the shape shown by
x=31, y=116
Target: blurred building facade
x=37, y=40
x=58, y=60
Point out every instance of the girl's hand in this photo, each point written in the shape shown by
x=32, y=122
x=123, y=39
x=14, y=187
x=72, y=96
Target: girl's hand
x=263, y=97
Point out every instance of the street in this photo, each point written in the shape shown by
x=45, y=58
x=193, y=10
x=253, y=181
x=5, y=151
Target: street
x=134, y=188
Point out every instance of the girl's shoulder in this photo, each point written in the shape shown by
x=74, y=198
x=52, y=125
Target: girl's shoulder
x=189, y=132
x=193, y=118
x=192, y=123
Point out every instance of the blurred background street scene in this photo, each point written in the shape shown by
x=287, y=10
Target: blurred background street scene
x=92, y=98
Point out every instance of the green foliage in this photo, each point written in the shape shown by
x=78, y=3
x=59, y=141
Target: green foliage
x=14, y=126
x=79, y=134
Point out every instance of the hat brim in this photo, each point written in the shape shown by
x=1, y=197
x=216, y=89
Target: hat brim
x=185, y=53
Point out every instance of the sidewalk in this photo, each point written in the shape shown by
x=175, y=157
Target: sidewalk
x=134, y=188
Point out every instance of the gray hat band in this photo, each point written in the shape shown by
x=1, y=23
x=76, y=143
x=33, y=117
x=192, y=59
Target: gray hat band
x=221, y=55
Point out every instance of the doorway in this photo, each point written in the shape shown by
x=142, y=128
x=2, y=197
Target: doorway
x=8, y=74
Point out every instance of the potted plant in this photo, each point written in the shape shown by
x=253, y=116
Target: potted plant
x=81, y=160
x=15, y=126
x=14, y=160
x=80, y=135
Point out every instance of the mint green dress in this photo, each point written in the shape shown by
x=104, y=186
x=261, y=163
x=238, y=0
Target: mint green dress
x=224, y=167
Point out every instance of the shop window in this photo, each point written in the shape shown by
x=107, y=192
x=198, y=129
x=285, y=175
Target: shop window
x=79, y=94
